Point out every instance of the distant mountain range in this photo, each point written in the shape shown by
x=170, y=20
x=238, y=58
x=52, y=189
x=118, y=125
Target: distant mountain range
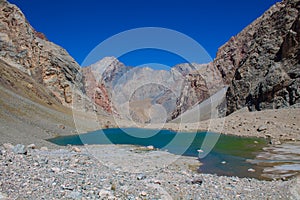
x=260, y=67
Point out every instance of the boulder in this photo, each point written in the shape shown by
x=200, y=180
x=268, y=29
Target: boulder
x=19, y=149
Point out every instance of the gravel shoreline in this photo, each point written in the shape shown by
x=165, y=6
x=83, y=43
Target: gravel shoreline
x=278, y=125
x=121, y=172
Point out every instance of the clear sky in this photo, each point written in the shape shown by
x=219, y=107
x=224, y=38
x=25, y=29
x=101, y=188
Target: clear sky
x=79, y=26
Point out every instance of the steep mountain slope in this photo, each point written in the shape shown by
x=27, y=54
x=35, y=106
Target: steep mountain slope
x=31, y=52
x=261, y=64
x=99, y=80
x=29, y=112
x=38, y=83
x=147, y=95
x=137, y=93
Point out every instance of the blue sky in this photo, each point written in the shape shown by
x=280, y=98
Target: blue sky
x=79, y=26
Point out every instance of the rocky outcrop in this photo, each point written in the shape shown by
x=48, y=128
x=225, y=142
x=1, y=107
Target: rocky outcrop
x=32, y=53
x=195, y=90
x=141, y=89
x=113, y=70
x=261, y=64
x=21, y=83
x=96, y=90
x=200, y=82
x=99, y=80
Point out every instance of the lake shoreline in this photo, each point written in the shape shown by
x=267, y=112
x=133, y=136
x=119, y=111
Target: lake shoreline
x=277, y=125
x=280, y=128
x=123, y=172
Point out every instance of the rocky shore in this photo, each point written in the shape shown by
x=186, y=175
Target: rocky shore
x=277, y=125
x=121, y=172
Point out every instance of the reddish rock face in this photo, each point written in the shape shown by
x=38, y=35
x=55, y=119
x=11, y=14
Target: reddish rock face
x=195, y=91
x=41, y=35
x=102, y=99
x=96, y=90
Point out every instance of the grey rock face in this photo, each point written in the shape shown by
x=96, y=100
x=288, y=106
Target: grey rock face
x=261, y=64
x=142, y=88
x=131, y=92
x=200, y=82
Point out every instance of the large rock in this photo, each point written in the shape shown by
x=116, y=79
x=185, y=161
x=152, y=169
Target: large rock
x=19, y=149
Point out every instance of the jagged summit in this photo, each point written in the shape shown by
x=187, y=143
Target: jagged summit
x=105, y=62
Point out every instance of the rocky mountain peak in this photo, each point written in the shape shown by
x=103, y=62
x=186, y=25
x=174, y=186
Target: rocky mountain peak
x=108, y=69
x=106, y=62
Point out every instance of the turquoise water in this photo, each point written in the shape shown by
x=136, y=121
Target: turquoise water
x=228, y=156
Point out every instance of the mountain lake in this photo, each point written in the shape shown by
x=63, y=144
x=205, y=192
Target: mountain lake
x=226, y=155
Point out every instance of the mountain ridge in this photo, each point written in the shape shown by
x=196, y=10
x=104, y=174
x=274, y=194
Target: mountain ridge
x=269, y=44
x=251, y=57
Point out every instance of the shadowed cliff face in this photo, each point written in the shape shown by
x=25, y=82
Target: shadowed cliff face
x=261, y=64
x=32, y=53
